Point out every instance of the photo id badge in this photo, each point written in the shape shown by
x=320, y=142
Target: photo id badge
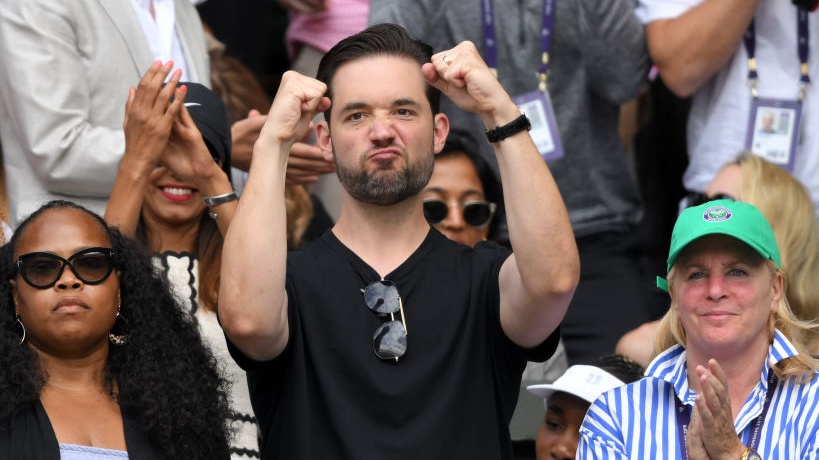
x=538, y=107
x=773, y=130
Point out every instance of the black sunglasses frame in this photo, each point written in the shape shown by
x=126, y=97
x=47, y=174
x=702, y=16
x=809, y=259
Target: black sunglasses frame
x=698, y=198
x=382, y=298
x=488, y=205
x=24, y=259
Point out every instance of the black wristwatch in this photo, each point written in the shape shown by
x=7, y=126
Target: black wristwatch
x=515, y=126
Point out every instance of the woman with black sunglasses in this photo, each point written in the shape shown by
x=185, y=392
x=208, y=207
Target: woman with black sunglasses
x=463, y=199
x=98, y=360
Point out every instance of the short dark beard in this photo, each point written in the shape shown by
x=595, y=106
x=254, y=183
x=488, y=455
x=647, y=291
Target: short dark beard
x=385, y=187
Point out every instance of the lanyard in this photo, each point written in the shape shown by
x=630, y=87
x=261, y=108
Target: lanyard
x=684, y=418
x=803, y=50
x=491, y=44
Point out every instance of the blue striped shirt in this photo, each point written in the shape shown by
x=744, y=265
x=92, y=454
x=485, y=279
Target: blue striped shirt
x=638, y=420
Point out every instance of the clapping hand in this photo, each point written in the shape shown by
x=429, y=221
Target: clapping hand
x=711, y=433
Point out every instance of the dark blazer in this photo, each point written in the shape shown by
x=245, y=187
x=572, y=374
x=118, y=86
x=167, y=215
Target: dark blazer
x=31, y=437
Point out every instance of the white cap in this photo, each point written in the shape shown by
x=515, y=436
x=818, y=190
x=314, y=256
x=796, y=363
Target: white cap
x=585, y=382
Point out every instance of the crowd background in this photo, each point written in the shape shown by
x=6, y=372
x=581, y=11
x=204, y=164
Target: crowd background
x=250, y=47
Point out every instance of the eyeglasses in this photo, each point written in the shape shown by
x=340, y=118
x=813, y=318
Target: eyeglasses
x=43, y=269
x=476, y=213
x=697, y=198
x=390, y=339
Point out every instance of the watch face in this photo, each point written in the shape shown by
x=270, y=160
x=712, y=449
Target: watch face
x=753, y=456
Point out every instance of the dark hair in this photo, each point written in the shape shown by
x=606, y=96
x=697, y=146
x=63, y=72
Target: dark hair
x=460, y=142
x=380, y=39
x=165, y=375
x=209, y=242
x=620, y=366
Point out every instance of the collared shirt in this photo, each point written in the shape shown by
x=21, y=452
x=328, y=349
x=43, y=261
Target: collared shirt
x=160, y=31
x=638, y=420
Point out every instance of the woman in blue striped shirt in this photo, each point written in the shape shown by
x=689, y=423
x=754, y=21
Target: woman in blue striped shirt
x=734, y=380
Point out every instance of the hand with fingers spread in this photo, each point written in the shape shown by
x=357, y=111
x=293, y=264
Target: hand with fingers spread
x=150, y=114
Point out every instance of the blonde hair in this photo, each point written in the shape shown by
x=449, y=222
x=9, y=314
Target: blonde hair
x=671, y=332
x=785, y=202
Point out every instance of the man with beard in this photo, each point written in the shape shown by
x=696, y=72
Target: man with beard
x=323, y=332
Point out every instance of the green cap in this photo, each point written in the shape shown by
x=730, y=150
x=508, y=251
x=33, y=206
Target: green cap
x=723, y=217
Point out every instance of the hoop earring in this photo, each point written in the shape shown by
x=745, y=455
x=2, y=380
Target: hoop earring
x=23, y=338
x=118, y=339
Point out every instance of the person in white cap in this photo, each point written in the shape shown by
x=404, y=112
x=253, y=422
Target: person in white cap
x=569, y=397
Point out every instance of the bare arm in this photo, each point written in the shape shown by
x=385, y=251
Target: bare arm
x=691, y=48
x=149, y=117
x=252, y=299
x=538, y=281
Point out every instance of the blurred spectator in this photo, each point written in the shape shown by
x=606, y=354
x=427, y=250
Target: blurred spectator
x=65, y=68
x=569, y=397
x=713, y=49
x=253, y=34
x=595, y=57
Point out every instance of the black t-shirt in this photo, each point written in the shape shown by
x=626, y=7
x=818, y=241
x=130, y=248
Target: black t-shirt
x=451, y=395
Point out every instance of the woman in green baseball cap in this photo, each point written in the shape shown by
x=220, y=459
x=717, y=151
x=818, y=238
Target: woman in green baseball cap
x=733, y=379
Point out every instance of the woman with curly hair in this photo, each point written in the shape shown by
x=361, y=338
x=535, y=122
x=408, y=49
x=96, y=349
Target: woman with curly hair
x=97, y=357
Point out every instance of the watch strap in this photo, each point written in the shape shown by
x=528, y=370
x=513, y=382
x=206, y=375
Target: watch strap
x=515, y=126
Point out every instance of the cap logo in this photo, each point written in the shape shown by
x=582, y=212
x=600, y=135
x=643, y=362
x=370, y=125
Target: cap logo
x=716, y=214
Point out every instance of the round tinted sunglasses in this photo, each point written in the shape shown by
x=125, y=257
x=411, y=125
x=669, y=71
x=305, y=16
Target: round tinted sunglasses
x=390, y=339
x=42, y=270
x=475, y=213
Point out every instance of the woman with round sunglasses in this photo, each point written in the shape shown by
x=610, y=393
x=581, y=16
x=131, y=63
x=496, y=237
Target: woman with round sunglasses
x=463, y=199
x=98, y=360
